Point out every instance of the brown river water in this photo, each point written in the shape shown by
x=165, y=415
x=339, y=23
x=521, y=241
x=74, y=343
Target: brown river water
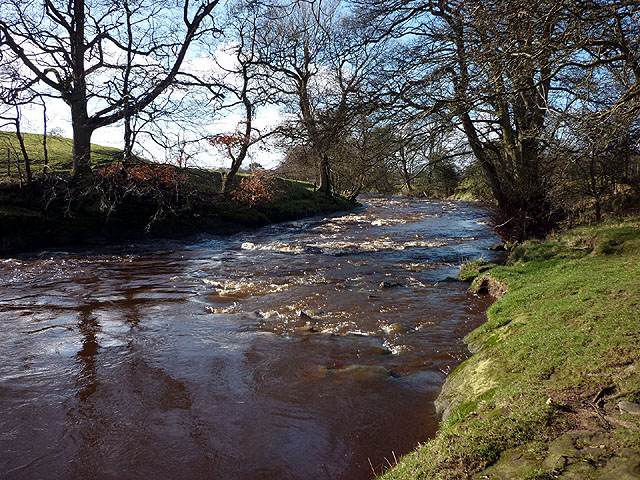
x=273, y=354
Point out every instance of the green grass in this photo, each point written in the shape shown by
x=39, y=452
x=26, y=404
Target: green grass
x=469, y=271
x=568, y=327
x=59, y=151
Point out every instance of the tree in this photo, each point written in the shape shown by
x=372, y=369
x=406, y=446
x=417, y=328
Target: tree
x=12, y=116
x=492, y=67
x=515, y=75
x=243, y=85
x=315, y=59
x=77, y=50
x=14, y=94
x=363, y=160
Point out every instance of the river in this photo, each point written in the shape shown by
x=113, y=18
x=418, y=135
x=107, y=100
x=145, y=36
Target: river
x=306, y=350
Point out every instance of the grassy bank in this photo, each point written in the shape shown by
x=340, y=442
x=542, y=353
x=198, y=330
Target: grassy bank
x=59, y=152
x=553, y=388
x=150, y=201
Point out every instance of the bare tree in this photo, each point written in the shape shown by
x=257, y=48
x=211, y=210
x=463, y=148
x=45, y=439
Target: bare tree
x=15, y=93
x=12, y=117
x=75, y=48
x=491, y=66
x=315, y=60
x=516, y=76
x=363, y=160
x=243, y=85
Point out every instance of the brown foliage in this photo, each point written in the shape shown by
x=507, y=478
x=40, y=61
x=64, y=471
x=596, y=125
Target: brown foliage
x=255, y=189
x=161, y=176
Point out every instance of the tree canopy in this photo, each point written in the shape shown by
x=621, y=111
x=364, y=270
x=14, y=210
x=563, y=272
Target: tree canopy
x=539, y=101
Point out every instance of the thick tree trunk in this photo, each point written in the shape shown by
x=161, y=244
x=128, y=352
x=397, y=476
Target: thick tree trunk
x=77, y=100
x=325, y=175
x=82, y=173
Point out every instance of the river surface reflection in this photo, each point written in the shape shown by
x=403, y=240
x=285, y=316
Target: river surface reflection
x=306, y=350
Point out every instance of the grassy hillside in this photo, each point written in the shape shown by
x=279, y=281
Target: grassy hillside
x=553, y=388
x=59, y=151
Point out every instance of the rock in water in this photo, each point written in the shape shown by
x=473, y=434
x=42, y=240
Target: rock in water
x=362, y=372
x=305, y=316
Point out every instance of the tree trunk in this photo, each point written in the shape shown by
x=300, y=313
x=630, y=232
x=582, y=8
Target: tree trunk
x=45, y=151
x=23, y=149
x=20, y=179
x=236, y=162
x=598, y=209
x=82, y=173
x=226, y=181
x=325, y=175
x=129, y=141
x=77, y=100
x=227, y=177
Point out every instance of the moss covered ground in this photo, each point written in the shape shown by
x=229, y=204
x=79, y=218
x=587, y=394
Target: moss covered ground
x=552, y=386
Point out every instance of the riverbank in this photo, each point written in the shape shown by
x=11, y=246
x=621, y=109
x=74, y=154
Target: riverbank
x=552, y=389
x=149, y=200
x=49, y=214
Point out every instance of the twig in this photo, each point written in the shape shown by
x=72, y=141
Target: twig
x=503, y=224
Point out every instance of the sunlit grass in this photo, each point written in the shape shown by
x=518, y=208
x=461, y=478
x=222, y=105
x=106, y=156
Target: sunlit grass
x=59, y=152
x=568, y=328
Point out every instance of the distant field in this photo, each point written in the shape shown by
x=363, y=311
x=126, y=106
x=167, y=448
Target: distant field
x=59, y=152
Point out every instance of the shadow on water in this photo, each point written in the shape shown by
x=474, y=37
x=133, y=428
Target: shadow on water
x=89, y=327
x=312, y=349
x=119, y=395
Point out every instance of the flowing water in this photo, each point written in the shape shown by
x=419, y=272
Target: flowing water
x=275, y=354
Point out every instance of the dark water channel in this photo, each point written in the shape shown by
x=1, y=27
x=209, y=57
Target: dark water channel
x=176, y=360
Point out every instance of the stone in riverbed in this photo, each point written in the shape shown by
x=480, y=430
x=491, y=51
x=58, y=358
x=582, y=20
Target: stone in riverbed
x=393, y=328
x=361, y=372
x=304, y=315
x=386, y=284
x=629, y=407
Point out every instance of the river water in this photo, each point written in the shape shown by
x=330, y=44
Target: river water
x=274, y=354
